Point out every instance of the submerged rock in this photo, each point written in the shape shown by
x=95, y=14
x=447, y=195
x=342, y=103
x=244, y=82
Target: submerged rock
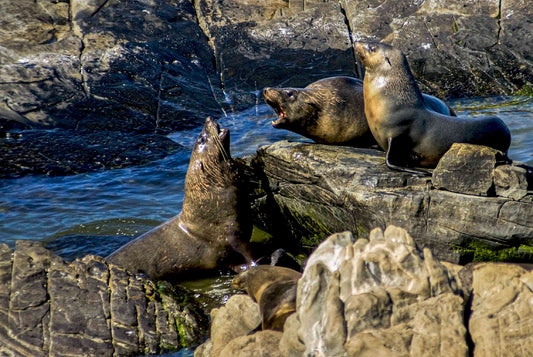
x=87, y=307
x=310, y=191
x=68, y=152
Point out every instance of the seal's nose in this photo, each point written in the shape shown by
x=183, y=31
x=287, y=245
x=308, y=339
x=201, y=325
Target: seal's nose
x=265, y=90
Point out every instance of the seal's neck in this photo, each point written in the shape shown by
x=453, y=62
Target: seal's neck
x=394, y=83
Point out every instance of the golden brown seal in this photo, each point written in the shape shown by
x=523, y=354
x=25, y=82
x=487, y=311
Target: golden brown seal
x=213, y=227
x=274, y=289
x=400, y=121
x=330, y=111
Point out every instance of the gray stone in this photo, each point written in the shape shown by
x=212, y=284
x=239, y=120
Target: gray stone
x=469, y=169
x=87, y=307
x=311, y=191
x=237, y=318
x=512, y=181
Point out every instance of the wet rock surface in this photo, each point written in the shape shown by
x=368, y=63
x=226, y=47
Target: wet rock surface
x=311, y=191
x=86, y=307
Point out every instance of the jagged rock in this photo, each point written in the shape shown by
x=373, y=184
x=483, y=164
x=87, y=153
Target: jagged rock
x=265, y=43
x=500, y=324
x=121, y=65
x=311, y=191
x=384, y=297
x=36, y=151
x=87, y=307
x=513, y=181
x=237, y=318
x=467, y=168
x=454, y=48
x=262, y=343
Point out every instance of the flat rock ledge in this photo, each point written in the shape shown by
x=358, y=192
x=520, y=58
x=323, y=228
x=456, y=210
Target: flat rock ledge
x=478, y=205
x=383, y=296
x=86, y=308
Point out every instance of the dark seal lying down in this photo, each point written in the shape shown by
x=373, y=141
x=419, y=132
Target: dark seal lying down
x=214, y=226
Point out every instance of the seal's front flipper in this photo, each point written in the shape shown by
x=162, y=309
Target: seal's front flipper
x=394, y=154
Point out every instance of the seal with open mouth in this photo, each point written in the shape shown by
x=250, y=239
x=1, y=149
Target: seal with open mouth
x=401, y=123
x=214, y=226
x=330, y=111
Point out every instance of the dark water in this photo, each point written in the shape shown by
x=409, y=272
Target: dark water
x=113, y=206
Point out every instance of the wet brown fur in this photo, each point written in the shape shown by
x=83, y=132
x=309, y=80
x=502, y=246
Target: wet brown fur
x=274, y=289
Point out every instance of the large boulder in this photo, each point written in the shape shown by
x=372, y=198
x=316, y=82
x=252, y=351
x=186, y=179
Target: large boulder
x=309, y=191
x=384, y=296
x=87, y=307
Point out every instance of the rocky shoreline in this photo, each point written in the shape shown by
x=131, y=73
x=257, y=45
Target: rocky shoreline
x=158, y=67
x=98, y=85
x=383, y=296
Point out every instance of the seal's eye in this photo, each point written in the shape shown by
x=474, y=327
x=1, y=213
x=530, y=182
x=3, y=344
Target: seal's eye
x=202, y=139
x=371, y=48
x=290, y=94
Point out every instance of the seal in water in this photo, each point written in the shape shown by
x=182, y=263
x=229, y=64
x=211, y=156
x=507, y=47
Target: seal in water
x=400, y=121
x=274, y=289
x=330, y=111
x=214, y=223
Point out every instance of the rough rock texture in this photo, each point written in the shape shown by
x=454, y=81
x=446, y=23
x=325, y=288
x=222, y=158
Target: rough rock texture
x=455, y=48
x=502, y=310
x=133, y=66
x=236, y=319
x=311, y=191
x=381, y=297
x=260, y=344
x=265, y=43
x=160, y=65
x=468, y=169
x=36, y=151
x=52, y=308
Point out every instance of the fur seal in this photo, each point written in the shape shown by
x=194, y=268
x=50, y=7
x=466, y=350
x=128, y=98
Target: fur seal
x=330, y=111
x=274, y=289
x=400, y=121
x=213, y=225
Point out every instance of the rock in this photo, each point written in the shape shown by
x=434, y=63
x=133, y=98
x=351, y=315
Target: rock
x=386, y=298
x=513, y=181
x=237, y=318
x=467, y=168
x=500, y=324
x=287, y=43
x=311, y=191
x=454, y=48
x=125, y=64
x=50, y=307
x=36, y=151
x=262, y=343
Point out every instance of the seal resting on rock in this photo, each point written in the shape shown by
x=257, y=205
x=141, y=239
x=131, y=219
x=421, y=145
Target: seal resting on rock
x=330, y=111
x=274, y=289
x=400, y=120
x=214, y=226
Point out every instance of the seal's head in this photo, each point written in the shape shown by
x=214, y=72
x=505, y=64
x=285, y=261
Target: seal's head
x=211, y=154
x=296, y=107
x=377, y=56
